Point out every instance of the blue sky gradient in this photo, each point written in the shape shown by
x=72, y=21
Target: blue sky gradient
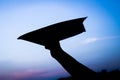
x=98, y=48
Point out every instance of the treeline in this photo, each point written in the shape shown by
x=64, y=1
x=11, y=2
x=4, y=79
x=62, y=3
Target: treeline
x=103, y=75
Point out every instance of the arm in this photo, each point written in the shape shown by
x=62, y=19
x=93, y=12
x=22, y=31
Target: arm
x=73, y=67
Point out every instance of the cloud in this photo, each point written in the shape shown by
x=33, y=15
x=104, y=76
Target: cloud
x=22, y=75
x=90, y=40
x=31, y=74
x=94, y=39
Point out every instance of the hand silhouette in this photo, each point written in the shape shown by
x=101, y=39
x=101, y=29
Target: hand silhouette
x=53, y=45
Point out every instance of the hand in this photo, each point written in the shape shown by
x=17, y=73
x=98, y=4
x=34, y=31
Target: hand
x=54, y=45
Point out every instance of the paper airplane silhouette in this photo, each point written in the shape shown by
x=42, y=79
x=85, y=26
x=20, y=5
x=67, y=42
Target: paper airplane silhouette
x=55, y=32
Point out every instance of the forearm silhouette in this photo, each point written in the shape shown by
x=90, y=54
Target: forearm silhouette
x=72, y=66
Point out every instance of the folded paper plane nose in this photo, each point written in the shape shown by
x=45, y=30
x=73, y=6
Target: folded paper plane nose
x=19, y=37
x=55, y=32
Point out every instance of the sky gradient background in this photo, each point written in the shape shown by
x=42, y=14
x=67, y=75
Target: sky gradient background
x=98, y=48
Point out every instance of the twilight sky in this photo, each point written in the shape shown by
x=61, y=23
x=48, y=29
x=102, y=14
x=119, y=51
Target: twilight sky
x=98, y=48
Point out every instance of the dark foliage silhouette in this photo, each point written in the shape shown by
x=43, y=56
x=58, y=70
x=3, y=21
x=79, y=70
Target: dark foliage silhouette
x=103, y=75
